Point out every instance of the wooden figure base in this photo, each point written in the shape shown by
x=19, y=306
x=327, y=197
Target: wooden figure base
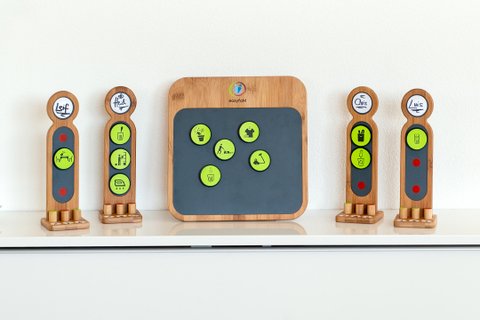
x=415, y=223
x=67, y=225
x=120, y=218
x=359, y=218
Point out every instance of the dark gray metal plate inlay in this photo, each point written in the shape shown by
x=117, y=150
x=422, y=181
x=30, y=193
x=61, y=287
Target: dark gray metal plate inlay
x=278, y=190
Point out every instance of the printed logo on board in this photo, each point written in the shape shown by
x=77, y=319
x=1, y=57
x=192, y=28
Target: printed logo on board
x=120, y=103
x=237, y=89
x=63, y=108
x=417, y=105
x=362, y=103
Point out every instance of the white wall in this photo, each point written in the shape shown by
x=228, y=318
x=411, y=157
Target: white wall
x=88, y=47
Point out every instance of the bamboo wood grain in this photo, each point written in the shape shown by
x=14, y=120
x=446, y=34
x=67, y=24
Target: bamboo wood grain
x=264, y=92
x=129, y=198
x=54, y=207
x=371, y=198
x=407, y=204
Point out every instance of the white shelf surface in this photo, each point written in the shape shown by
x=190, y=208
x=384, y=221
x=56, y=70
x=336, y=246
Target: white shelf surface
x=313, y=228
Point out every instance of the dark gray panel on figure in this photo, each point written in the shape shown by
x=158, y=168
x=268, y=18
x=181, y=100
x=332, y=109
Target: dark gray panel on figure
x=112, y=147
x=416, y=176
x=364, y=175
x=63, y=178
x=278, y=190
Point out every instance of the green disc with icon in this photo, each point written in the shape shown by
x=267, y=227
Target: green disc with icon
x=417, y=139
x=200, y=134
x=120, y=159
x=210, y=175
x=119, y=184
x=249, y=131
x=120, y=133
x=224, y=149
x=360, y=158
x=361, y=135
x=259, y=160
x=63, y=158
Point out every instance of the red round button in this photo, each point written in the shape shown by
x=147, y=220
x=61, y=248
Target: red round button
x=62, y=137
x=62, y=191
x=416, y=188
x=361, y=185
x=416, y=162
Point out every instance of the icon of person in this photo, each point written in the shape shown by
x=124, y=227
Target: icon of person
x=221, y=149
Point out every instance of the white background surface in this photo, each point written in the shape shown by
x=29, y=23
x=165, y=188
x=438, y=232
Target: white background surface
x=316, y=228
x=371, y=284
x=88, y=47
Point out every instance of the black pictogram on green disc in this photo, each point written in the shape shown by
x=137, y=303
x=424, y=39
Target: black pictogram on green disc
x=120, y=133
x=119, y=184
x=210, y=175
x=259, y=160
x=120, y=159
x=63, y=158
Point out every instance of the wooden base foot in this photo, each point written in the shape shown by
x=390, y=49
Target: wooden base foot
x=359, y=218
x=65, y=225
x=415, y=223
x=120, y=218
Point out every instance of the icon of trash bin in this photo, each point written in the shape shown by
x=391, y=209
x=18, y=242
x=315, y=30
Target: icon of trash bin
x=416, y=138
x=361, y=135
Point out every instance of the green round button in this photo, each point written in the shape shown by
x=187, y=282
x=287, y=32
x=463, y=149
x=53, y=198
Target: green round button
x=361, y=135
x=119, y=184
x=360, y=158
x=260, y=160
x=417, y=139
x=224, y=149
x=249, y=131
x=210, y=175
x=120, y=133
x=63, y=158
x=200, y=134
x=120, y=159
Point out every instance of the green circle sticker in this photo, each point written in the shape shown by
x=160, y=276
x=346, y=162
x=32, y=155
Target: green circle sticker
x=417, y=139
x=249, y=131
x=260, y=160
x=360, y=158
x=200, y=134
x=210, y=175
x=224, y=149
x=119, y=184
x=63, y=158
x=120, y=133
x=361, y=135
x=120, y=159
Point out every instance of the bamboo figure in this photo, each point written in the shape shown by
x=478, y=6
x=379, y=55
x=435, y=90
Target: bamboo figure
x=361, y=165
x=416, y=164
x=63, y=212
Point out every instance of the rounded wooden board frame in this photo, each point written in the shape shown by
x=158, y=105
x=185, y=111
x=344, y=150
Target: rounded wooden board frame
x=212, y=92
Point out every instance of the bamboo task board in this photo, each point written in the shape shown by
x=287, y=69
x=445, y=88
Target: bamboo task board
x=237, y=148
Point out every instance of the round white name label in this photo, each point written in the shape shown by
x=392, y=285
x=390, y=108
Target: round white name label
x=120, y=102
x=417, y=105
x=362, y=103
x=63, y=108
